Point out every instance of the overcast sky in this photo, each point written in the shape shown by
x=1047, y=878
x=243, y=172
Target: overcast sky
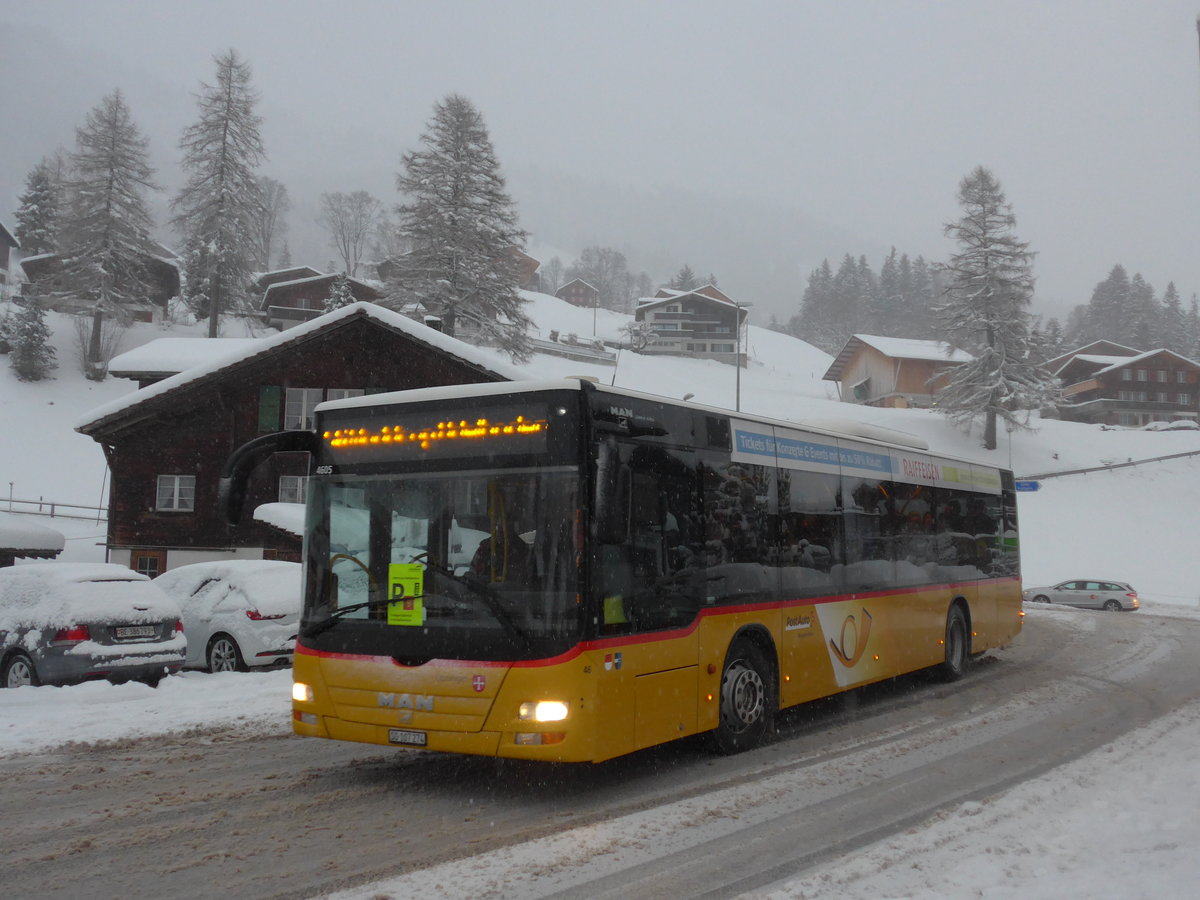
x=864, y=115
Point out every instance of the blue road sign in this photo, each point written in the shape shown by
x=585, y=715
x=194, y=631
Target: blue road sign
x=1027, y=485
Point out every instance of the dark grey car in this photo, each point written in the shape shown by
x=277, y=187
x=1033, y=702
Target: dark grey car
x=1111, y=595
x=62, y=623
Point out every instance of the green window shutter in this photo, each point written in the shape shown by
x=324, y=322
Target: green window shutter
x=268, y=408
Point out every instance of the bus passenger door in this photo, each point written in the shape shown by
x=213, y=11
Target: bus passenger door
x=650, y=580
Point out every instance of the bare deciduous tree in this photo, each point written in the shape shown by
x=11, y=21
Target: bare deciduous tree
x=350, y=220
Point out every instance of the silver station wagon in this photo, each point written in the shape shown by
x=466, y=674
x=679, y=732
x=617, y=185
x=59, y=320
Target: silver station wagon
x=1110, y=595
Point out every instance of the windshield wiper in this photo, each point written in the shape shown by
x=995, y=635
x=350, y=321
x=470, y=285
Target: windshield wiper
x=490, y=599
x=327, y=623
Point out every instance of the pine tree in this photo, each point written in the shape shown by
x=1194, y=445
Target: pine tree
x=684, y=280
x=339, y=293
x=1173, y=322
x=37, y=213
x=461, y=226
x=104, y=236
x=220, y=206
x=32, y=357
x=985, y=311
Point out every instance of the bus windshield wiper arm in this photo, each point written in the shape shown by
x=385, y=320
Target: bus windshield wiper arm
x=490, y=599
x=327, y=623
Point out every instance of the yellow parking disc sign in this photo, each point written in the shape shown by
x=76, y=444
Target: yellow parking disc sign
x=406, y=587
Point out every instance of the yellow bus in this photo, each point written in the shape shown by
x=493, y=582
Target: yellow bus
x=567, y=571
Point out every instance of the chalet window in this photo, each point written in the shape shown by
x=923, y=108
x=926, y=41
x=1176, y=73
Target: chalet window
x=148, y=563
x=293, y=488
x=1141, y=374
x=722, y=348
x=1181, y=377
x=1126, y=375
x=343, y=393
x=176, y=492
x=1162, y=397
x=1162, y=375
x=1184, y=399
x=298, y=407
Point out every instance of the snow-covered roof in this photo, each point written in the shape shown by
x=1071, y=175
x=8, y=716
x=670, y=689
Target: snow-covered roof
x=287, y=517
x=896, y=348
x=385, y=317
x=21, y=533
x=8, y=237
x=1112, y=363
x=914, y=348
x=174, y=355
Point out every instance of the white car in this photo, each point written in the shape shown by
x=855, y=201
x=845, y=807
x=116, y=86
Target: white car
x=1111, y=595
x=63, y=623
x=237, y=614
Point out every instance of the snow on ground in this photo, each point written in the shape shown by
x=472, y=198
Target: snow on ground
x=1119, y=823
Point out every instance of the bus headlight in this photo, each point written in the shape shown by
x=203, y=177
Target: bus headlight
x=542, y=711
x=301, y=692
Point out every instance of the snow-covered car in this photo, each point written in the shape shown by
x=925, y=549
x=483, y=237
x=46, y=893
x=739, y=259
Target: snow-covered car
x=1110, y=595
x=62, y=623
x=237, y=613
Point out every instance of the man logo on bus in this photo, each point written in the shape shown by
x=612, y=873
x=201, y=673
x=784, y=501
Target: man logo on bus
x=853, y=641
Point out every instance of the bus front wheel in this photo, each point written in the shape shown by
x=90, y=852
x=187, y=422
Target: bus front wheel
x=957, y=645
x=745, y=714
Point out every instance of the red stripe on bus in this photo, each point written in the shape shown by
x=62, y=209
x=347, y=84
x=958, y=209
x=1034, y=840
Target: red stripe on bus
x=628, y=640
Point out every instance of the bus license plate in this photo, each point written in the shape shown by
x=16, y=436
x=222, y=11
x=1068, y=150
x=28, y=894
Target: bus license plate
x=412, y=738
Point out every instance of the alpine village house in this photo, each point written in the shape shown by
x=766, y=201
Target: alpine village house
x=166, y=443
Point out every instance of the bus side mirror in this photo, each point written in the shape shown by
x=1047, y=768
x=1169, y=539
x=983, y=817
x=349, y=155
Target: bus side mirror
x=231, y=490
x=612, y=495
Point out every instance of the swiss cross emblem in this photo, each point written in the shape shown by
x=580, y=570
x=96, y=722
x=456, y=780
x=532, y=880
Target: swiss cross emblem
x=612, y=661
x=478, y=683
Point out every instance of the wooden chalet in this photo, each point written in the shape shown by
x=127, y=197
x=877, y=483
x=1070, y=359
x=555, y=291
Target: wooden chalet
x=1129, y=390
x=578, y=292
x=288, y=302
x=892, y=372
x=527, y=266
x=9, y=248
x=45, y=281
x=704, y=323
x=166, y=443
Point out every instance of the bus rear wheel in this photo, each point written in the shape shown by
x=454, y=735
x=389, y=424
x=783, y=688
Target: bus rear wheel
x=746, y=705
x=957, y=645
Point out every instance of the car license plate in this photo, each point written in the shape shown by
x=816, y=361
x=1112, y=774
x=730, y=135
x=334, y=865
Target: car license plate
x=412, y=738
x=135, y=631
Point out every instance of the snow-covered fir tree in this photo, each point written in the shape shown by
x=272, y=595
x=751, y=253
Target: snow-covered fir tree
x=984, y=310
x=31, y=355
x=684, y=280
x=460, y=226
x=37, y=213
x=218, y=211
x=339, y=293
x=104, y=234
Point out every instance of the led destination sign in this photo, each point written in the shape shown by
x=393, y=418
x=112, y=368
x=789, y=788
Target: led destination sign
x=408, y=436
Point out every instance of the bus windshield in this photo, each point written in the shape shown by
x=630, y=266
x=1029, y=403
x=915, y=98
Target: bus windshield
x=476, y=564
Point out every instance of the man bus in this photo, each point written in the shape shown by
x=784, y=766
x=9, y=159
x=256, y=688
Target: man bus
x=567, y=571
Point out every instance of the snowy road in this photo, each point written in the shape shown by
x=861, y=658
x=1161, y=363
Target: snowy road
x=265, y=817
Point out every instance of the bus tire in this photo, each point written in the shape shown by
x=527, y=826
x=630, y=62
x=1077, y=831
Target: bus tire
x=746, y=706
x=957, y=645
